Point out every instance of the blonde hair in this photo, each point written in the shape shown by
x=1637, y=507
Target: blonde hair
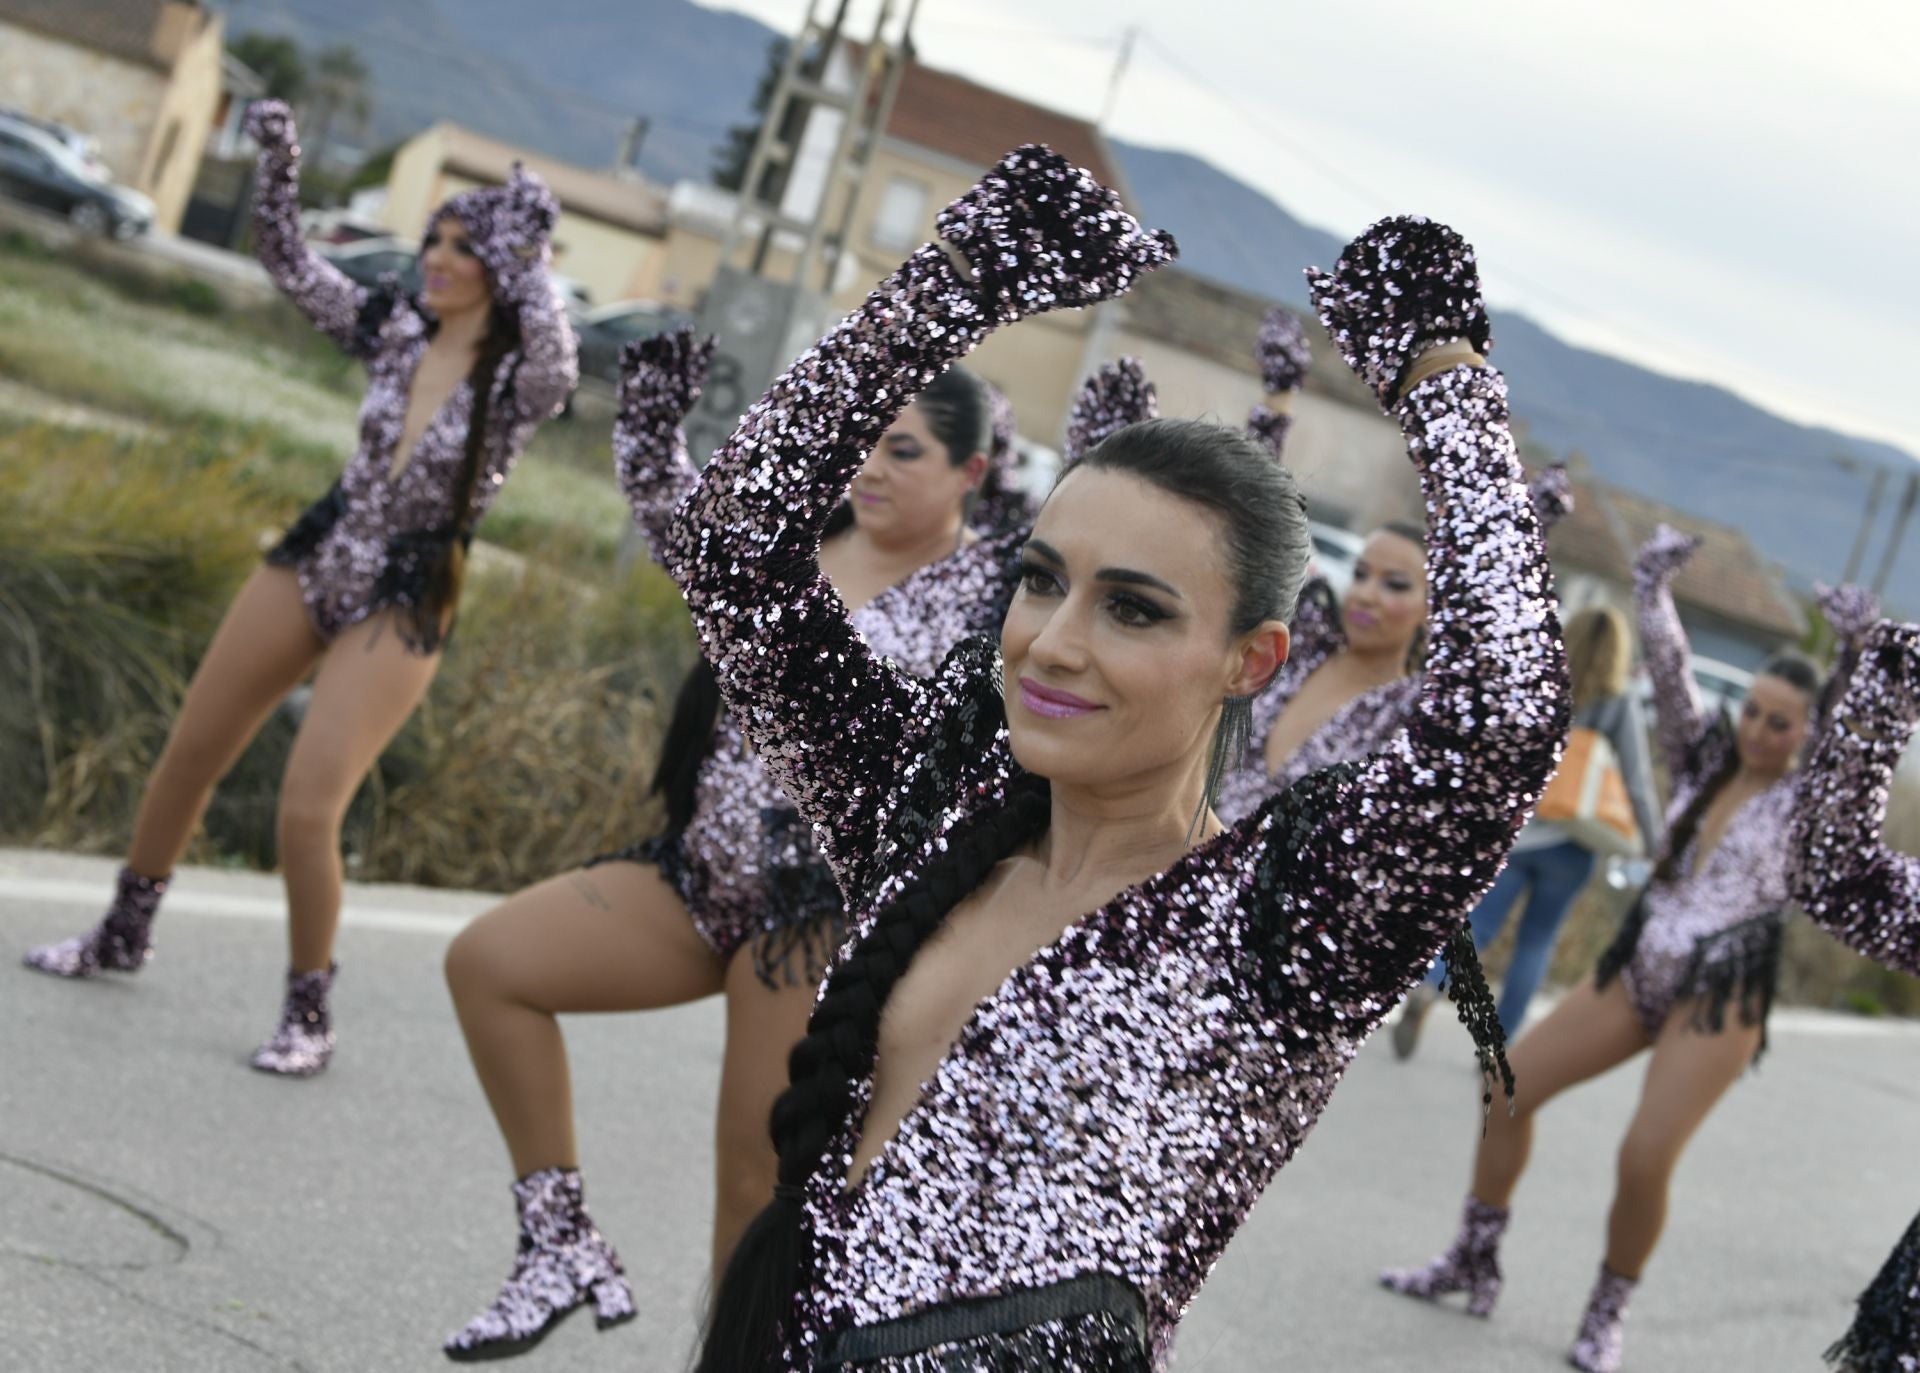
x=1599, y=650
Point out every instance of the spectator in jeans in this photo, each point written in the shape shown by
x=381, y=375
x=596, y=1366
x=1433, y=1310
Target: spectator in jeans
x=1547, y=865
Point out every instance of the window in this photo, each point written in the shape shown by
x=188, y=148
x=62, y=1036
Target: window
x=897, y=222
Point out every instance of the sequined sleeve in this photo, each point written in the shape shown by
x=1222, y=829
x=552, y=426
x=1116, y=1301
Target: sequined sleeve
x=548, y=367
x=1678, y=721
x=1859, y=890
x=316, y=287
x=834, y=726
x=1315, y=632
x=650, y=453
x=1399, y=853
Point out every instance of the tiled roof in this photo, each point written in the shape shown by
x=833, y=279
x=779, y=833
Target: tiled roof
x=977, y=124
x=631, y=204
x=121, y=28
x=1726, y=577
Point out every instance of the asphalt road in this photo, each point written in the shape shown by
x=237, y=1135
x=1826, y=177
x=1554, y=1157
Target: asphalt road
x=163, y=1208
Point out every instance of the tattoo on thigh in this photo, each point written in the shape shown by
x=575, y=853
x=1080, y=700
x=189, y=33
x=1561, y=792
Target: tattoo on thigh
x=588, y=892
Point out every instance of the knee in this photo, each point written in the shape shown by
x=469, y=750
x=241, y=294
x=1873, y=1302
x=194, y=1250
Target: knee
x=308, y=815
x=746, y=1167
x=470, y=966
x=1645, y=1162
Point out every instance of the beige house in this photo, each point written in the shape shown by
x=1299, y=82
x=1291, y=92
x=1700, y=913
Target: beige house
x=611, y=235
x=140, y=77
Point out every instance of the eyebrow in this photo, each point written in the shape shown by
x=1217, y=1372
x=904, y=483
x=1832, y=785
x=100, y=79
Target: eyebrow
x=1125, y=576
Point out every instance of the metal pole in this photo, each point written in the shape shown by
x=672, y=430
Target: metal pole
x=1866, y=523
x=902, y=54
x=1894, y=540
x=763, y=141
x=874, y=55
x=1119, y=70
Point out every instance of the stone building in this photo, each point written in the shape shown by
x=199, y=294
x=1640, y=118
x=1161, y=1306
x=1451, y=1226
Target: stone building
x=141, y=77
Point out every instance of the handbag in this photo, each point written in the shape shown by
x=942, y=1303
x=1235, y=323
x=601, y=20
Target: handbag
x=1588, y=797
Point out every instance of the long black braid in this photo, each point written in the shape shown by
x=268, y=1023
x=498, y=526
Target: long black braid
x=755, y=1296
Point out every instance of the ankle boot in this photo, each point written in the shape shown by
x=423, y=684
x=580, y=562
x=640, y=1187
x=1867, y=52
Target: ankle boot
x=562, y=1264
x=1471, y=1265
x=1596, y=1349
x=120, y=943
x=304, y=1042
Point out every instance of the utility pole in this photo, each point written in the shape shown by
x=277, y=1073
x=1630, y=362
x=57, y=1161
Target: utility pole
x=1899, y=533
x=1119, y=70
x=1866, y=519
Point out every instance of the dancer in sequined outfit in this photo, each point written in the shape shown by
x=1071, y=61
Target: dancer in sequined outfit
x=732, y=898
x=1125, y=1015
x=361, y=591
x=1868, y=897
x=1690, y=977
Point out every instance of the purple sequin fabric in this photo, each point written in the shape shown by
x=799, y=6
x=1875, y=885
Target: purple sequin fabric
x=562, y=1263
x=121, y=943
x=1597, y=1345
x=1712, y=932
x=1003, y=503
x=746, y=865
x=303, y=1044
x=1857, y=889
x=367, y=544
x=1360, y=727
x=1470, y=1265
x=1116, y=395
x=1121, y=1101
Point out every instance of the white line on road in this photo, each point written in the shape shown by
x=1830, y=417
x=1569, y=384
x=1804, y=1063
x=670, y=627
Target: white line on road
x=187, y=901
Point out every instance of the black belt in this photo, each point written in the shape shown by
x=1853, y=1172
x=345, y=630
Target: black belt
x=955, y=1322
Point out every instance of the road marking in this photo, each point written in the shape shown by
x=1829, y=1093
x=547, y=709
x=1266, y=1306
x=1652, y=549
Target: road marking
x=185, y=900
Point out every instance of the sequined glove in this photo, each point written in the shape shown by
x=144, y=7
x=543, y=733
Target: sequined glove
x=270, y=124
x=1850, y=610
x=1890, y=657
x=1664, y=554
x=1039, y=234
x=517, y=247
x=1403, y=286
x=1116, y=395
x=1552, y=495
x=660, y=381
x=1282, y=351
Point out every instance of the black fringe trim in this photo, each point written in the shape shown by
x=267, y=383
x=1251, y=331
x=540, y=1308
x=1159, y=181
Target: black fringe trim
x=313, y=525
x=1886, y=1327
x=375, y=311
x=1465, y=980
x=1616, y=956
x=806, y=902
x=1736, y=967
x=410, y=585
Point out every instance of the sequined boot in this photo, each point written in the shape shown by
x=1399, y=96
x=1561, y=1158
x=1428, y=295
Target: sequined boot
x=1596, y=1349
x=562, y=1264
x=1472, y=1265
x=304, y=1042
x=122, y=941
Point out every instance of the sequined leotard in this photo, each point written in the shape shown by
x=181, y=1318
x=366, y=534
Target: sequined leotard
x=1120, y=1102
x=746, y=865
x=1868, y=897
x=1712, y=932
x=367, y=545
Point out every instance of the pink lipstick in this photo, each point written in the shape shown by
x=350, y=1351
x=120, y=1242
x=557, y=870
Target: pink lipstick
x=1052, y=703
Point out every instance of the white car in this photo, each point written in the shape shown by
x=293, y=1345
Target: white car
x=1335, y=551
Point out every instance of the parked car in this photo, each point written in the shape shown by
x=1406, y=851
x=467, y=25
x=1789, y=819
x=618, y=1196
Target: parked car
x=338, y=227
x=369, y=261
x=1335, y=551
x=83, y=146
x=605, y=331
x=39, y=169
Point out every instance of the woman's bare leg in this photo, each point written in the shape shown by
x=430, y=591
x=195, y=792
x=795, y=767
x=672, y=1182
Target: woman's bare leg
x=367, y=686
x=1592, y=1030
x=614, y=937
x=264, y=646
x=763, y=1024
x=1689, y=1074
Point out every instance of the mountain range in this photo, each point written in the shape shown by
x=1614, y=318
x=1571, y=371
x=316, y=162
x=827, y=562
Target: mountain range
x=569, y=82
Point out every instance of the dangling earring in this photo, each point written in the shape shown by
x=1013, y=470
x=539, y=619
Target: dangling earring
x=1417, y=651
x=1230, y=739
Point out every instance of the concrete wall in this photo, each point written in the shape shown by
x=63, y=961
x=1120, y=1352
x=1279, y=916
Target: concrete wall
x=113, y=100
x=184, y=121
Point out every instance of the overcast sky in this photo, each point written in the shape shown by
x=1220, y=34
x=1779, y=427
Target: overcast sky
x=1724, y=191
